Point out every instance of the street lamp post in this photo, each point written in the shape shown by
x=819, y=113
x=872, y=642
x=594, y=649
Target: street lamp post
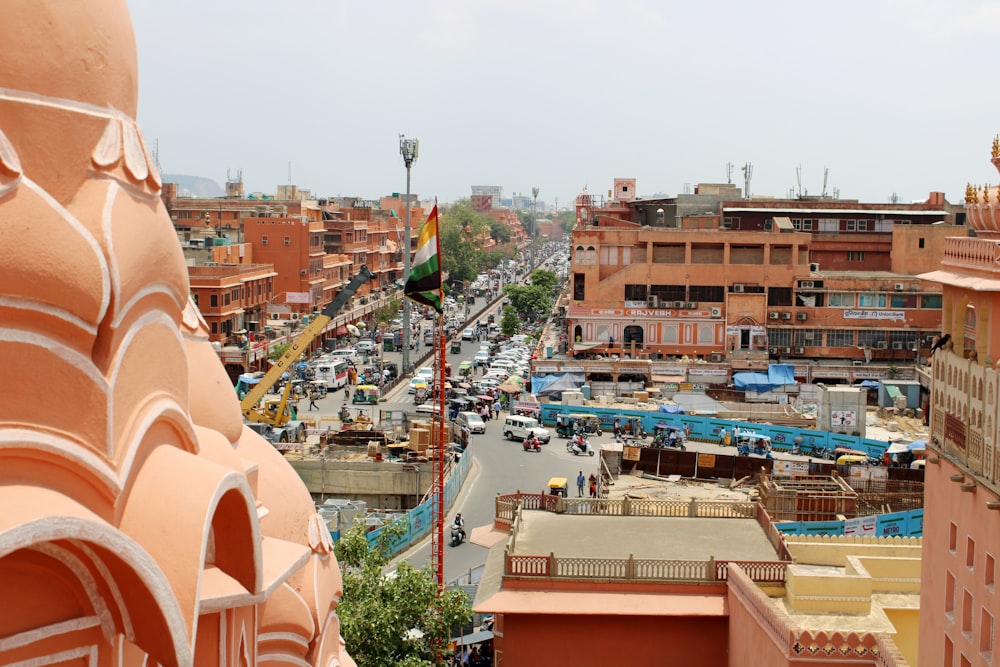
x=534, y=213
x=409, y=149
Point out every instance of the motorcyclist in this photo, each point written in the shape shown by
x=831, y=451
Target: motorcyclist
x=460, y=525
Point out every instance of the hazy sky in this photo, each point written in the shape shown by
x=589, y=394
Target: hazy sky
x=891, y=96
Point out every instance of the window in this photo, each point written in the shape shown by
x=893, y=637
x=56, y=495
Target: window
x=635, y=292
x=949, y=593
x=920, y=242
x=215, y=327
x=930, y=301
x=263, y=239
x=842, y=299
x=731, y=223
x=953, y=538
x=288, y=240
x=967, y=612
x=865, y=225
x=856, y=256
x=985, y=632
x=903, y=301
x=989, y=574
x=851, y=226
x=840, y=338
x=970, y=553
x=869, y=300
x=213, y=300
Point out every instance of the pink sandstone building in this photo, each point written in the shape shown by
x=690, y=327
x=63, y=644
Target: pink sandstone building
x=142, y=522
x=962, y=520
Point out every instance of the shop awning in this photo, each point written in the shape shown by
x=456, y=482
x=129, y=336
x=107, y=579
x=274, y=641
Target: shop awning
x=893, y=391
x=677, y=379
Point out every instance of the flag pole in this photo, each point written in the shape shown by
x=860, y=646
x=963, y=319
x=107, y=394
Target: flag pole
x=439, y=460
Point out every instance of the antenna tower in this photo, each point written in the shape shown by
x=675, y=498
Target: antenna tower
x=826, y=174
x=798, y=180
x=747, y=170
x=729, y=173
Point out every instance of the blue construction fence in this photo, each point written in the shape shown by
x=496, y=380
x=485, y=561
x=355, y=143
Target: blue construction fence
x=895, y=524
x=418, y=521
x=710, y=428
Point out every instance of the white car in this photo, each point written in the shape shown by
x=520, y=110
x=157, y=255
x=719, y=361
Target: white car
x=415, y=381
x=468, y=334
x=471, y=420
x=365, y=346
x=428, y=409
x=426, y=373
x=482, y=358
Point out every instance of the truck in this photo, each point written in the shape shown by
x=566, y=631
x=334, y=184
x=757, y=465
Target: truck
x=278, y=414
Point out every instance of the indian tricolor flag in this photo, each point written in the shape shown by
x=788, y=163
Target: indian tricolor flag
x=424, y=283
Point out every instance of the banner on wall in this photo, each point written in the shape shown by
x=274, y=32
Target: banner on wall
x=892, y=525
x=860, y=526
x=631, y=453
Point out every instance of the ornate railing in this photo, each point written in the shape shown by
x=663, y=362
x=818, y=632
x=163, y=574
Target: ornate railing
x=720, y=509
x=639, y=569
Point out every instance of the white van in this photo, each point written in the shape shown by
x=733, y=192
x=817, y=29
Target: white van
x=516, y=427
x=347, y=354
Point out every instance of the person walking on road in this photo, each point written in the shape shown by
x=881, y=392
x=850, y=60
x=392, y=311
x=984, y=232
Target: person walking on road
x=581, y=481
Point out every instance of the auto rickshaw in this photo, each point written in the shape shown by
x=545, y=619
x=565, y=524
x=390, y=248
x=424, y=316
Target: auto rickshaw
x=366, y=394
x=558, y=486
x=586, y=424
x=420, y=394
x=465, y=369
x=665, y=435
x=753, y=443
x=852, y=459
x=455, y=347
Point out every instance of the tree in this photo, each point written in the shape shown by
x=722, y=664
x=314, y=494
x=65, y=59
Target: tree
x=387, y=313
x=510, y=323
x=529, y=300
x=398, y=618
x=277, y=351
x=544, y=278
x=499, y=231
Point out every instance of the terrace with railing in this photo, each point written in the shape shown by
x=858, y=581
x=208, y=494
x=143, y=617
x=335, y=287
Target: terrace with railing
x=521, y=563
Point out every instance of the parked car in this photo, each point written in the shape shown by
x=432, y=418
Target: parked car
x=518, y=428
x=468, y=334
x=472, y=421
x=365, y=346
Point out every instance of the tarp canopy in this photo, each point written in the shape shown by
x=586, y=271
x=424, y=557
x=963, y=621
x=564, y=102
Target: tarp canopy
x=777, y=376
x=671, y=409
x=554, y=384
x=869, y=384
x=248, y=379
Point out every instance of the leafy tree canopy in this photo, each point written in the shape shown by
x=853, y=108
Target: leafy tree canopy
x=510, y=323
x=544, y=278
x=393, y=619
x=529, y=301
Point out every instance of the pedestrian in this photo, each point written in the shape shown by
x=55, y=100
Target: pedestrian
x=593, y=485
x=312, y=401
x=580, y=482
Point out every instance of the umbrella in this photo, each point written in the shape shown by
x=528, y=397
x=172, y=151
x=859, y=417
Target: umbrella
x=353, y=330
x=484, y=397
x=917, y=446
x=362, y=325
x=510, y=388
x=341, y=330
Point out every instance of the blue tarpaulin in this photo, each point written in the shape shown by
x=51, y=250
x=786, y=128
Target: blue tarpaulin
x=672, y=409
x=777, y=375
x=555, y=384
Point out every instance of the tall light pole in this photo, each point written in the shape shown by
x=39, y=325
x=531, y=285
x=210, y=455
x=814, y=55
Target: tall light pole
x=409, y=149
x=534, y=213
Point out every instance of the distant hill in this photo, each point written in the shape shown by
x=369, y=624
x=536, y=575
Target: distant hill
x=194, y=186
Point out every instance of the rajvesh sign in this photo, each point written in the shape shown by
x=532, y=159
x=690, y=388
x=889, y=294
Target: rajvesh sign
x=894, y=315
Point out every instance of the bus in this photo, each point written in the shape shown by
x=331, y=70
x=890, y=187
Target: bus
x=332, y=373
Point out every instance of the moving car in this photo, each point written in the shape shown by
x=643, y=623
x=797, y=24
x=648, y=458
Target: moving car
x=468, y=334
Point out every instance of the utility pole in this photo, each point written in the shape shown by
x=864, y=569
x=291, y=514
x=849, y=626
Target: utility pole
x=409, y=149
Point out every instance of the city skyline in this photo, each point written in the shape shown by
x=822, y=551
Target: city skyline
x=889, y=97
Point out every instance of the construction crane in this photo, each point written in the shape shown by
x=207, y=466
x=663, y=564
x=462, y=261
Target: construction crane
x=276, y=412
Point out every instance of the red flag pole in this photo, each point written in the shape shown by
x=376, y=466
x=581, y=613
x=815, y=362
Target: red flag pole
x=440, y=444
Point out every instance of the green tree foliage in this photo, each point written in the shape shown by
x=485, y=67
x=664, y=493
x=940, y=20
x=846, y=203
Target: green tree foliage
x=530, y=301
x=544, y=278
x=393, y=619
x=462, y=230
x=499, y=231
x=277, y=351
x=387, y=313
x=510, y=323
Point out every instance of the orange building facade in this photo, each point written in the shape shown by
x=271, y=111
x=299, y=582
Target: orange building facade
x=703, y=277
x=959, y=605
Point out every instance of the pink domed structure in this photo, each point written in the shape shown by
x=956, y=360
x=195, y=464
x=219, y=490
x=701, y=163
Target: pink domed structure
x=982, y=205
x=142, y=522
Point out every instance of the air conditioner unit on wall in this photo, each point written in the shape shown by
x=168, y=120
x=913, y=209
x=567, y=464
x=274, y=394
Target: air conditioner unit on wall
x=898, y=287
x=881, y=345
x=653, y=301
x=786, y=316
x=800, y=350
x=814, y=267
x=717, y=312
x=912, y=347
x=772, y=350
x=897, y=345
x=807, y=284
x=678, y=304
x=802, y=317
x=715, y=357
x=690, y=305
x=786, y=350
x=738, y=289
x=772, y=315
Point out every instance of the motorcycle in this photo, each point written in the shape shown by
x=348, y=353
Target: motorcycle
x=577, y=447
x=531, y=445
x=457, y=536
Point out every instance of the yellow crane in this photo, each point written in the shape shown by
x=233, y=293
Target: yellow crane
x=277, y=412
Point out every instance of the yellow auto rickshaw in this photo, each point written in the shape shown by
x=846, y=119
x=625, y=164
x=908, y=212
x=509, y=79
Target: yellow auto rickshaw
x=558, y=486
x=852, y=459
x=365, y=394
